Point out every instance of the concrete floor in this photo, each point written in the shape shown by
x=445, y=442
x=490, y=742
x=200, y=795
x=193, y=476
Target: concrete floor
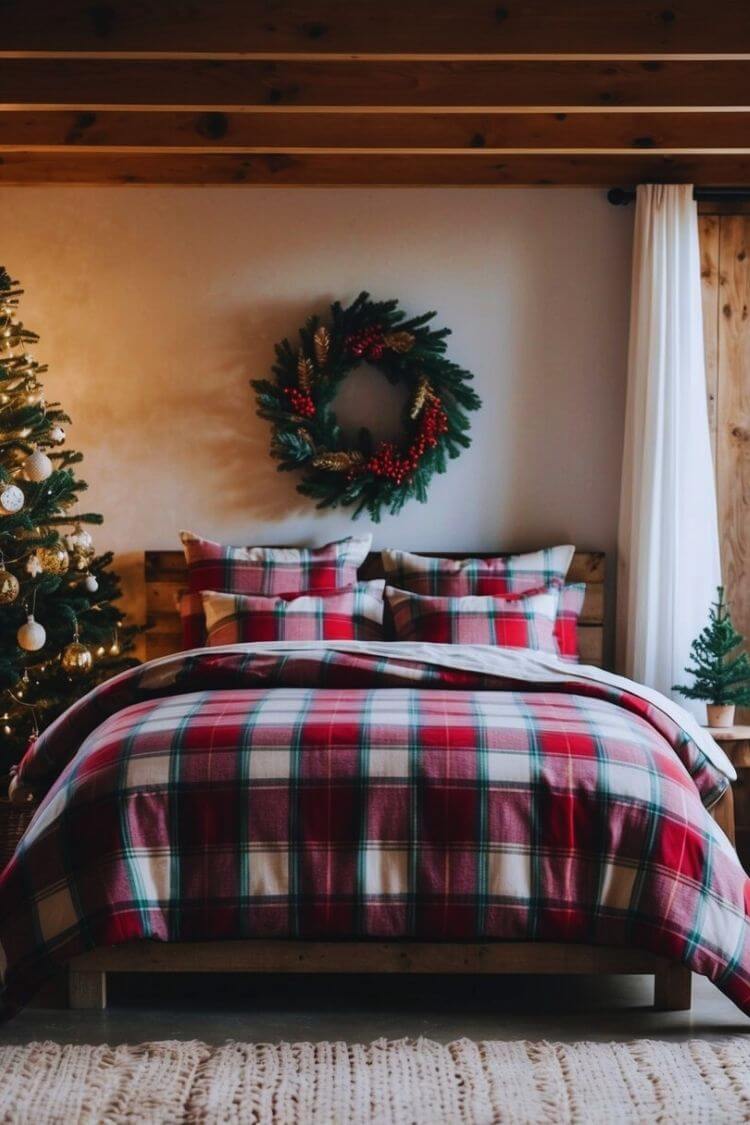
x=269, y=1009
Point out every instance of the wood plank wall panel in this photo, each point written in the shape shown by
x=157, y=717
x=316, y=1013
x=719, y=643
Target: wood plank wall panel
x=708, y=231
x=725, y=251
x=733, y=413
x=374, y=92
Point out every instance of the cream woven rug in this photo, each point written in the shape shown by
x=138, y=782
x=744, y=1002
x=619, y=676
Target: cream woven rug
x=393, y=1082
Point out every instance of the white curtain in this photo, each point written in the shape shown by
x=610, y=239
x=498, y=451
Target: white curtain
x=668, y=544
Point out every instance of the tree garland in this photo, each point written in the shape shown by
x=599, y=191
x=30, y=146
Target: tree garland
x=307, y=435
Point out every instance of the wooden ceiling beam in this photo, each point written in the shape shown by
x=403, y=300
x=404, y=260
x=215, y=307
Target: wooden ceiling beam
x=476, y=169
x=393, y=27
x=168, y=129
x=202, y=84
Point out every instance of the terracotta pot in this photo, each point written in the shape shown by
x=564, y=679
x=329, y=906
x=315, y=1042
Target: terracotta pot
x=720, y=714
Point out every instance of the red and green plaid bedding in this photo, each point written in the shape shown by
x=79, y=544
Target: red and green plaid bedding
x=368, y=791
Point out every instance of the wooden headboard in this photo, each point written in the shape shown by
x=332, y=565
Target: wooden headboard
x=166, y=578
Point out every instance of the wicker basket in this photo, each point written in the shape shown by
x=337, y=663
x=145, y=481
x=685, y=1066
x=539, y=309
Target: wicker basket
x=14, y=820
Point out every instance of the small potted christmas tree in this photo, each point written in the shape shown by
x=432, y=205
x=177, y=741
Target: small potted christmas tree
x=721, y=674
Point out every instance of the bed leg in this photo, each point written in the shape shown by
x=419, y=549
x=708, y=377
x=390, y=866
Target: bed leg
x=673, y=988
x=87, y=990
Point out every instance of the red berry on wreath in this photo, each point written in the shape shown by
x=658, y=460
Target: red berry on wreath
x=301, y=402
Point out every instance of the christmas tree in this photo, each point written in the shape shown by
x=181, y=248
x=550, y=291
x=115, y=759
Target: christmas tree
x=60, y=631
x=721, y=674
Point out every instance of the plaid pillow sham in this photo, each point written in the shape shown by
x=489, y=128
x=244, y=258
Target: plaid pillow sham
x=354, y=614
x=566, y=624
x=272, y=570
x=262, y=570
x=497, y=577
x=523, y=621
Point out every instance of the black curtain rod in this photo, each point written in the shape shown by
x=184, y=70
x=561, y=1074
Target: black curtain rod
x=620, y=197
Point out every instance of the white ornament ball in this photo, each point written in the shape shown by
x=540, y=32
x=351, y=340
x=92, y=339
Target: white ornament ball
x=57, y=435
x=91, y=584
x=32, y=635
x=79, y=540
x=37, y=466
x=11, y=499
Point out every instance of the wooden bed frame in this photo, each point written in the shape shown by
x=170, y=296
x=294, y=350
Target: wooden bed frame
x=87, y=986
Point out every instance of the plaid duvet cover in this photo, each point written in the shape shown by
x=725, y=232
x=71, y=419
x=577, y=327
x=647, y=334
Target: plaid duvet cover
x=351, y=790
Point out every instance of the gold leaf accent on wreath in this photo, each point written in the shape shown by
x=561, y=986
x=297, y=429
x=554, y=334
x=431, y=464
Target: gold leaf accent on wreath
x=321, y=344
x=422, y=392
x=304, y=371
x=338, y=462
x=399, y=341
x=306, y=436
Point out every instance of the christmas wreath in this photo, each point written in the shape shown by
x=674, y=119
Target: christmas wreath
x=306, y=433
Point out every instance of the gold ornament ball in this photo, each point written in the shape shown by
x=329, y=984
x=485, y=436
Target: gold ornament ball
x=8, y=587
x=55, y=559
x=76, y=659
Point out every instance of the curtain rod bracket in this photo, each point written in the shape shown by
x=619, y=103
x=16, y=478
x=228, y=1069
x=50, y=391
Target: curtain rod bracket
x=620, y=197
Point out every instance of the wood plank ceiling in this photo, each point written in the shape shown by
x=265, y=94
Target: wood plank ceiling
x=375, y=92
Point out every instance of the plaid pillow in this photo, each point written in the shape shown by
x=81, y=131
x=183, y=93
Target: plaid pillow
x=498, y=577
x=525, y=621
x=566, y=625
x=272, y=570
x=355, y=614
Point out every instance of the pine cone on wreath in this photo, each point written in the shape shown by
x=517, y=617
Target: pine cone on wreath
x=421, y=393
x=338, y=462
x=304, y=371
x=401, y=342
x=321, y=345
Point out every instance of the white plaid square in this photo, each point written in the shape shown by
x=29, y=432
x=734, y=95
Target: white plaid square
x=269, y=873
x=152, y=869
x=617, y=886
x=509, y=873
x=386, y=871
x=56, y=914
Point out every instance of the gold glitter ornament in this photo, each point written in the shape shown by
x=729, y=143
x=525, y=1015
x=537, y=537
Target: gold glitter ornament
x=9, y=587
x=54, y=559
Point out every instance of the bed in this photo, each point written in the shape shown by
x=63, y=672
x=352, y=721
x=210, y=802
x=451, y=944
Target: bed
x=395, y=808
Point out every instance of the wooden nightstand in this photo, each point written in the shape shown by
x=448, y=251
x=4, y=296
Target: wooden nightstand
x=735, y=742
